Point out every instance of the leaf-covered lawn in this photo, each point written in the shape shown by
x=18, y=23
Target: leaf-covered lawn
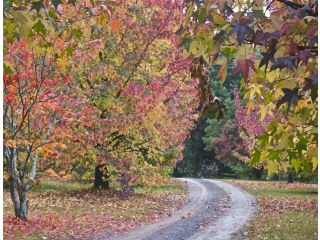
x=75, y=211
x=286, y=211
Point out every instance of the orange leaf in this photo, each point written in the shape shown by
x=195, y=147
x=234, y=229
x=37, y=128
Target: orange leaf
x=114, y=26
x=10, y=143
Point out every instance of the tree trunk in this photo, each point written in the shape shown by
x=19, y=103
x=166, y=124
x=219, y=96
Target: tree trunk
x=14, y=196
x=100, y=177
x=19, y=199
x=23, y=204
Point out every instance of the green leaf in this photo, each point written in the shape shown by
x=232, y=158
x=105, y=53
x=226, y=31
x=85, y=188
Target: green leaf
x=39, y=27
x=255, y=158
x=7, y=69
x=302, y=144
x=263, y=139
x=202, y=14
x=295, y=164
x=37, y=6
x=69, y=50
x=229, y=52
x=52, y=14
x=77, y=33
x=274, y=154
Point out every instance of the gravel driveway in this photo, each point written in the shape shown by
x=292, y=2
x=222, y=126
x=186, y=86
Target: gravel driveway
x=215, y=210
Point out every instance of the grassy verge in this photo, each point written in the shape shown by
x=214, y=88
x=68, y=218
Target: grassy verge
x=61, y=210
x=174, y=188
x=286, y=211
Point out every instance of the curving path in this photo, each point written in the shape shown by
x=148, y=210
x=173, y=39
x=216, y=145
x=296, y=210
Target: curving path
x=215, y=210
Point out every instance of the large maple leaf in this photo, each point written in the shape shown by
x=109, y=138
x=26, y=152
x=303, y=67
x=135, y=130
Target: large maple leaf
x=243, y=66
x=290, y=96
x=242, y=29
x=282, y=62
x=269, y=55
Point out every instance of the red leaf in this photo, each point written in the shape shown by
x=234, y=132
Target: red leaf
x=244, y=66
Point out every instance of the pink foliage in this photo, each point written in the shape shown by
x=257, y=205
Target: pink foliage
x=250, y=122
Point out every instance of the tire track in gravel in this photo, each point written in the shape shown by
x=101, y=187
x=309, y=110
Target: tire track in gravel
x=242, y=209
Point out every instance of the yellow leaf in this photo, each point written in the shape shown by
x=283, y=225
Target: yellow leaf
x=272, y=167
x=252, y=93
x=263, y=112
x=63, y=63
x=289, y=83
x=197, y=48
x=257, y=89
x=117, y=60
x=217, y=19
x=284, y=140
x=301, y=104
x=250, y=106
x=223, y=69
x=271, y=76
x=264, y=155
x=314, y=163
x=278, y=93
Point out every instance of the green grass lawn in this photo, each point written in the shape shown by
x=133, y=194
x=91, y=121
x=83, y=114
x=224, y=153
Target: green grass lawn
x=286, y=211
x=274, y=191
x=287, y=225
x=60, y=186
x=294, y=193
x=173, y=188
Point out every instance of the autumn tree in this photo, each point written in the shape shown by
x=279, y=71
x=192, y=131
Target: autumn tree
x=36, y=101
x=40, y=99
x=138, y=85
